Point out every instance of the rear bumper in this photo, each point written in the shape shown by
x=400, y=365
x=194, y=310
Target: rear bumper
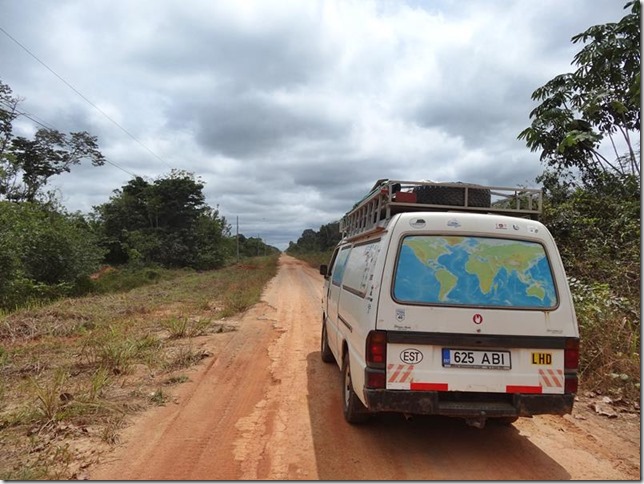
x=467, y=404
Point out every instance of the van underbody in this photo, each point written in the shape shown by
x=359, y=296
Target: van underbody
x=467, y=404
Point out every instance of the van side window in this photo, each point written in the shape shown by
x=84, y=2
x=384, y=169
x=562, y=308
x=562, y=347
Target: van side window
x=360, y=266
x=474, y=271
x=332, y=261
x=340, y=264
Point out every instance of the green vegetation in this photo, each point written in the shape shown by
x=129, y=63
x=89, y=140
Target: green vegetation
x=146, y=227
x=164, y=223
x=311, y=241
x=77, y=368
x=591, y=202
x=44, y=253
x=316, y=248
x=597, y=102
x=26, y=165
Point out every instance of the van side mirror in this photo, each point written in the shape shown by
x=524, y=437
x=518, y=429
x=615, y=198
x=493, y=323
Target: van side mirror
x=323, y=269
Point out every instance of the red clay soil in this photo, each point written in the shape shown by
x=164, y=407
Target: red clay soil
x=266, y=407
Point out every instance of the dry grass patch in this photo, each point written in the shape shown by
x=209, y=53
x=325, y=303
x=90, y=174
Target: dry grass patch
x=76, y=369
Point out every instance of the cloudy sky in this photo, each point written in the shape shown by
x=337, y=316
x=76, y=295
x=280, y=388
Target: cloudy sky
x=289, y=111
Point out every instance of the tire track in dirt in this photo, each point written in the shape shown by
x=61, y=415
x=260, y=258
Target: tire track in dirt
x=267, y=408
x=279, y=428
x=234, y=420
x=194, y=439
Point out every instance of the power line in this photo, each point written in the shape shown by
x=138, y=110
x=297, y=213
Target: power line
x=121, y=168
x=46, y=125
x=42, y=122
x=84, y=98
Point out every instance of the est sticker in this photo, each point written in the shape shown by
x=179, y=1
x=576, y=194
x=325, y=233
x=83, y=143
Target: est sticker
x=411, y=356
x=542, y=358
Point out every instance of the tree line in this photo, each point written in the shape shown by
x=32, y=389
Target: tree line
x=323, y=240
x=47, y=252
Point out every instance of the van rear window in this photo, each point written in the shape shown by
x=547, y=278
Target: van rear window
x=473, y=271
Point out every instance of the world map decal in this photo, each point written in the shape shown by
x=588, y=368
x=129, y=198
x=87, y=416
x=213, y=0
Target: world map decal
x=474, y=271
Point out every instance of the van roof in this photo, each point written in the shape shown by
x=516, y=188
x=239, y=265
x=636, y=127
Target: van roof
x=390, y=197
x=480, y=223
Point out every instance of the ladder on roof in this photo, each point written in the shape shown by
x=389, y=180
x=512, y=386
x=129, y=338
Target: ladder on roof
x=389, y=197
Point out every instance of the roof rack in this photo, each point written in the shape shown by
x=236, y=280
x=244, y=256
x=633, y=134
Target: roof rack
x=389, y=197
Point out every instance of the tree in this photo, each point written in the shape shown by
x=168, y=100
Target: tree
x=311, y=241
x=163, y=222
x=8, y=112
x=592, y=198
x=329, y=236
x=211, y=245
x=599, y=101
x=176, y=201
x=252, y=246
x=49, y=153
x=26, y=165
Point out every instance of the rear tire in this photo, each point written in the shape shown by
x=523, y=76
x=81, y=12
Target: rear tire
x=325, y=350
x=354, y=411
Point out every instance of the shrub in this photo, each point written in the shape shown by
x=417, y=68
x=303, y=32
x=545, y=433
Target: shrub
x=44, y=253
x=610, y=338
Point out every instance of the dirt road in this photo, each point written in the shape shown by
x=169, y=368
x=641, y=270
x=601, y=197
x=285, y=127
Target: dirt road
x=266, y=407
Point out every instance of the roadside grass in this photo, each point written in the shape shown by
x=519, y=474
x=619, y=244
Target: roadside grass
x=119, y=280
x=73, y=371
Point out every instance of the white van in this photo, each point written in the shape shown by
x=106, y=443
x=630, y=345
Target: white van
x=449, y=299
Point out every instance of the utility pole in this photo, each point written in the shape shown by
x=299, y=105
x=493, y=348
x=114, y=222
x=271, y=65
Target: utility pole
x=237, y=237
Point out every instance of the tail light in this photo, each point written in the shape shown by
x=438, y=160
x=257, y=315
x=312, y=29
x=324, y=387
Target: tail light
x=571, y=365
x=571, y=384
x=376, y=349
x=376, y=355
x=571, y=354
x=374, y=378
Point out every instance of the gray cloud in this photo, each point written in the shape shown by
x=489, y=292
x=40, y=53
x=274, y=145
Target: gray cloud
x=249, y=125
x=288, y=110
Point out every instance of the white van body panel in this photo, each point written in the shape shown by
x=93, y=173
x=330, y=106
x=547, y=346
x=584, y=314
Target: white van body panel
x=452, y=349
x=560, y=321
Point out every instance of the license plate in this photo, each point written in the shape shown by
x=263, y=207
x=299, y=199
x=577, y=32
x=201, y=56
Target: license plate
x=488, y=359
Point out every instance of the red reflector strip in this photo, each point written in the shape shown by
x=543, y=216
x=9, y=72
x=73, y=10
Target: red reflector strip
x=407, y=374
x=551, y=378
x=437, y=387
x=522, y=389
x=399, y=373
x=396, y=372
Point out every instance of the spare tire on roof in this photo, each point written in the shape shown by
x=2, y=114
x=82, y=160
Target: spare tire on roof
x=442, y=195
